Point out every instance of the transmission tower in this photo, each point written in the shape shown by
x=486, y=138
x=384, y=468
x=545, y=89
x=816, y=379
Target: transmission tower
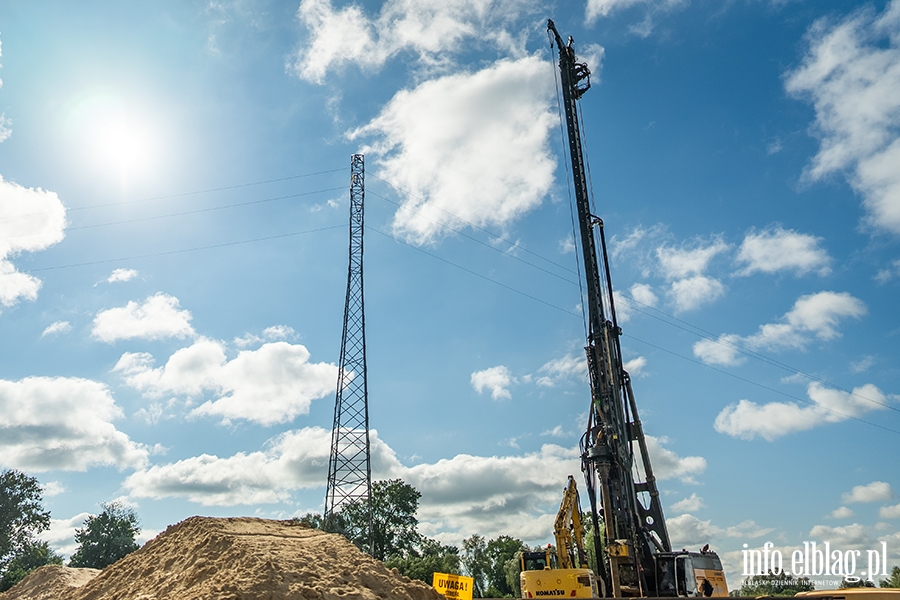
x=349, y=467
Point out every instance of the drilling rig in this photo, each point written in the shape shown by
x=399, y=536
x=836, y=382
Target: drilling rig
x=625, y=510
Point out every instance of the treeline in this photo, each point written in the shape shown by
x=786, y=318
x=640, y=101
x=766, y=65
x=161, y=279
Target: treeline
x=492, y=564
x=104, y=539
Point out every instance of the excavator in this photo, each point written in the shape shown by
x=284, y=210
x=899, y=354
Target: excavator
x=634, y=555
x=553, y=571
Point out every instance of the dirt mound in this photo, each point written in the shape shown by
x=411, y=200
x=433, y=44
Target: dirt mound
x=51, y=582
x=244, y=559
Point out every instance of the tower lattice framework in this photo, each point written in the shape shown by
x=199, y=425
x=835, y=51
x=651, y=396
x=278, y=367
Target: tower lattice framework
x=349, y=467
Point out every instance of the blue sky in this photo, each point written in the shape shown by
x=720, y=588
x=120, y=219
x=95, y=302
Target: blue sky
x=173, y=254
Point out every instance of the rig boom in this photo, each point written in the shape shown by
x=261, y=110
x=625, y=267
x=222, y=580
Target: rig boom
x=632, y=528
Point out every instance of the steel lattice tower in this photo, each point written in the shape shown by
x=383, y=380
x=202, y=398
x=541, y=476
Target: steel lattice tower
x=349, y=467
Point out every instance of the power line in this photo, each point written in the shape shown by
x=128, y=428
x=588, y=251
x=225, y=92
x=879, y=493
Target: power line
x=702, y=333
x=763, y=386
x=670, y=320
x=181, y=194
x=189, y=212
x=471, y=272
x=206, y=191
x=469, y=223
x=182, y=251
x=474, y=239
x=672, y=352
x=673, y=320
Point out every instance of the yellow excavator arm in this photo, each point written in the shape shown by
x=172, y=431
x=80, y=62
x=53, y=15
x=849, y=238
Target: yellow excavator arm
x=569, y=531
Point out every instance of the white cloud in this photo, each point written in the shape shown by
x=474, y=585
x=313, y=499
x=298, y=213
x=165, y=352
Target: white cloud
x=432, y=30
x=485, y=494
x=686, y=531
x=492, y=495
x=61, y=534
x=121, y=275
x=678, y=263
x=776, y=249
x=841, y=513
x=694, y=292
x=690, y=504
x=157, y=318
x=496, y=379
x=557, y=431
x=603, y=8
x=572, y=367
x=273, y=384
x=847, y=537
x=52, y=488
x=269, y=334
x=623, y=307
x=292, y=460
x=57, y=327
x=863, y=364
x=747, y=420
x=668, y=465
x=722, y=351
x=58, y=423
x=877, y=491
x=889, y=512
x=643, y=293
x=635, y=366
x=851, y=74
x=684, y=267
x=471, y=145
x=814, y=315
x=30, y=220
x=5, y=127
x=636, y=239
x=888, y=273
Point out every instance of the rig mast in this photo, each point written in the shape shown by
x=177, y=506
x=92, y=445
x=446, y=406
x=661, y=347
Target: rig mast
x=349, y=466
x=632, y=519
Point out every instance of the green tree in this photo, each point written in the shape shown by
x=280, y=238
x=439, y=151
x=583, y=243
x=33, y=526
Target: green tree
x=845, y=583
x=107, y=537
x=394, y=505
x=476, y=563
x=775, y=585
x=512, y=569
x=589, y=540
x=500, y=551
x=34, y=554
x=893, y=581
x=310, y=519
x=22, y=517
x=429, y=558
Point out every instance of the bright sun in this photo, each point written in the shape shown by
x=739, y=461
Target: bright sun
x=124, y=144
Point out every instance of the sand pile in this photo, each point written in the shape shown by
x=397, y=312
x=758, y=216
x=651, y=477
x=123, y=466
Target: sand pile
x=241, y=559
x=50, y=583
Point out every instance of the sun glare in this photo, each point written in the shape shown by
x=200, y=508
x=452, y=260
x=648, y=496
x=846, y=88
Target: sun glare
x=124, y=145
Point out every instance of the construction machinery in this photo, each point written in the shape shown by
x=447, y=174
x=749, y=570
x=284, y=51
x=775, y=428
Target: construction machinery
x=561, y=571
x=628, y=523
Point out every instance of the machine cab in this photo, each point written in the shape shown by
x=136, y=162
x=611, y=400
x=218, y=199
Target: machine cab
x=539, y=560
x=690, y=574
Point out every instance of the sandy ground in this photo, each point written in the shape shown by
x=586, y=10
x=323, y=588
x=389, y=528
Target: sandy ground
x=240, y=558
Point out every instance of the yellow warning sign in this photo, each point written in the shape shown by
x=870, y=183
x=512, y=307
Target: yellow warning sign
x=454, y=587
